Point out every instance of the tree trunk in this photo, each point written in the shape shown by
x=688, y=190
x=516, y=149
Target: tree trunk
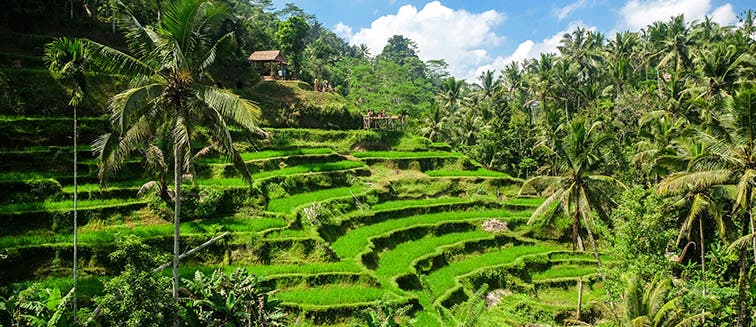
x=75, y=213
x=703, y=265
x=176, y=216
x=576, y=239
x=580, y=299
x=601, y=272
x=743, y=309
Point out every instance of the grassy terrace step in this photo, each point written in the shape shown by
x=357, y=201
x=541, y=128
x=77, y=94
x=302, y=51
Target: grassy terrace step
x=561, y=272
x=405, y=155
x=107, y=235
x=404, y=208
x=294, y=170
x=446, y=279
x=355, y=241
x=480, y=172
x=26, y=207
x=400, y=260
x=289, y=203
x=333, y=295
x=410, y=203
x=271, y=154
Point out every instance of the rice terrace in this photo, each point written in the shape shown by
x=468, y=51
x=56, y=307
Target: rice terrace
x=377, y=163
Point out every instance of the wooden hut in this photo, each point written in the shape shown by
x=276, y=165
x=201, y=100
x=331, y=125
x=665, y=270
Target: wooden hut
x=272, y=59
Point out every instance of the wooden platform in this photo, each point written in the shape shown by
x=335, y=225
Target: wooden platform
x=386, y=122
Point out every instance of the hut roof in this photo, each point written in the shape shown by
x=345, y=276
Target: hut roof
x=270, y=55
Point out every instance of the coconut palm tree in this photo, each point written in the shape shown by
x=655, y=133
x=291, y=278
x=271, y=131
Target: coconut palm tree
x=577, y=191
x=731, y=159
x=68, y=63
x=171, y=95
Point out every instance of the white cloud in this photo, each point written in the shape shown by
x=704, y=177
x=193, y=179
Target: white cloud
x=724, y=15
x=343, y=30
x=562, y=13
x=527, y=50
x=457, y=36
x=637, y=14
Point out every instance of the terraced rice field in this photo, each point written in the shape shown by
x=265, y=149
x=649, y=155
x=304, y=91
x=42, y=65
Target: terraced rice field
x=329, y=237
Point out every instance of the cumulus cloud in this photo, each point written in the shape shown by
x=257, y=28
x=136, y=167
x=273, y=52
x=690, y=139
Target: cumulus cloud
x=457, y=36
x=724, y=15
x=343, y=30
x=562, y=13
x=637, y=14
x=528, y=49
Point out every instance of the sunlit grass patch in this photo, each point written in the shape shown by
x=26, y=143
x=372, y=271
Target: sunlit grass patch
x=480, y=172
x=355, y=241
x=305, y=268
x=445, y=278
x=287, y=204
x=109, y=235
x=564, y=271
x=65, y=205
x=405, y=155
x=399, y=260
x=332, y=295
x=409, y=203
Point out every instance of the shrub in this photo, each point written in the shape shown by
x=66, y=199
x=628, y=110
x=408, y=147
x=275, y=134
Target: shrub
x=234, y=299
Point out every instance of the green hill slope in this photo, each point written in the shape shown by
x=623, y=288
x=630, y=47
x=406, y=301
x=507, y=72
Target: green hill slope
x=294, y=104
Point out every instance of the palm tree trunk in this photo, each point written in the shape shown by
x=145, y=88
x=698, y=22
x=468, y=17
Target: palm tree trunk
x=75, y=214
x=601, y=272
x=743, y=309
x=576, y=232
x=703, y=265
x=176, y=216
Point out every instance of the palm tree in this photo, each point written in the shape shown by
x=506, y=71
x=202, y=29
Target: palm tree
x=577, y=192
x=171, y=95
x=68, y=63
x=731, y=159
x=434, y=122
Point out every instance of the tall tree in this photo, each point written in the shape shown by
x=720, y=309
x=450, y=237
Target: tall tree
x=731, y=159
x=68, y=62
x=171, y=95
x=577, y=191
x=291, y=40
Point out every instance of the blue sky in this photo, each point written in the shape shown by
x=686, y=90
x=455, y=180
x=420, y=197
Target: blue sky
x=473, y=36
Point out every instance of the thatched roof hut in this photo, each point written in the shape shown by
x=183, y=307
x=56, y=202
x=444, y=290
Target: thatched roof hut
x=268, y=56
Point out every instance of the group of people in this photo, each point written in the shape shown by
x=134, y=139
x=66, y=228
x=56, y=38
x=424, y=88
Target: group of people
x=322, y=86
x=382, y=114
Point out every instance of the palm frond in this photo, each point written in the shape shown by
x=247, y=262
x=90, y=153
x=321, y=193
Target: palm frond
x=538, y=184
x=556, y=197
x=742, y=242
x=230, y=106
x=693, y=180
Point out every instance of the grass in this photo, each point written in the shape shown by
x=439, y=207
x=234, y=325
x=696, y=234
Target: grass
x=108, y=235
x=562, y=271
x=480, y=172
x=309, y=168
x=410, y=203
x=300, y=169
x=65, y=205
x=405, y=155
x=399, y=260
x=94, y=187
x=356, y=240
x=269, y=154
x=331, y=295
x=289, y=203
x=445, y=278
x=306, y=268
x=525, y=202
x=25, y=176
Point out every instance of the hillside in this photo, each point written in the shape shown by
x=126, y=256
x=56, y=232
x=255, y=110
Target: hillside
x=295, y=104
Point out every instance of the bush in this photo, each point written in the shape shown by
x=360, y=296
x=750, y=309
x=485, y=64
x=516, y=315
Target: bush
x=137, y=297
